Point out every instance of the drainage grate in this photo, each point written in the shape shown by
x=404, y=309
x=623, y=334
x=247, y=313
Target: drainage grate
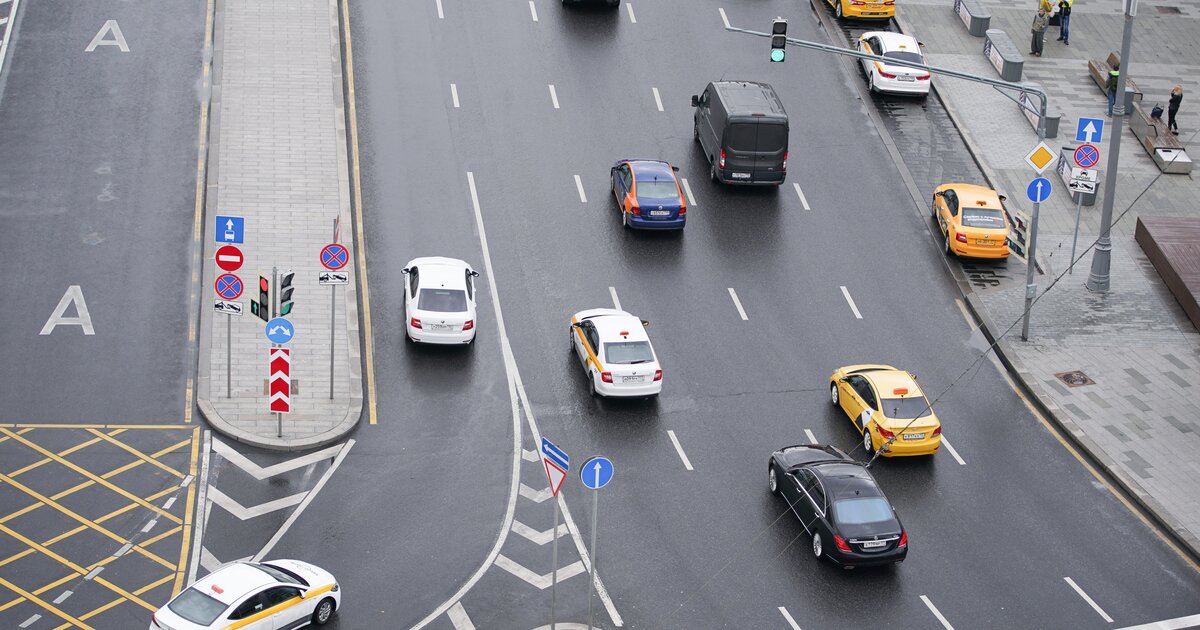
x=1074, y=378
x=1169, y=10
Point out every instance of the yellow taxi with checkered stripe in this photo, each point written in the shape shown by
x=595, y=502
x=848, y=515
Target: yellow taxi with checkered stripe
x=888, y=408
x=615, y=352
x=272, y=595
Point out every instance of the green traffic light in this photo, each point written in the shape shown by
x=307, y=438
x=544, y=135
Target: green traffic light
x=777, y=54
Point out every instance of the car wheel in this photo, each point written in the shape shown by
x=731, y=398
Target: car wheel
x=871, y=83
x=933, y=209
x=592, y=384
x=772, y=480
x=837, y=8
x=833, y=394
x=946, y=244
x=624, y=219
x=712, y=173
x=868, y=442
x=323, y=612
x=818, y=547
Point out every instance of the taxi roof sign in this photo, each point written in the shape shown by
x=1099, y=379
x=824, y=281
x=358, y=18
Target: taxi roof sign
x=1041, y=157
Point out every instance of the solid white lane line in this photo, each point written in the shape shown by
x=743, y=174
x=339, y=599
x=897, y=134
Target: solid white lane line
x=812, y=439
x=953, y=453
x=613, y=292
x=532, y=10
x=688, y=189
x=553, y=94
x=202, y=507
x=788, y=616
x=803, y=199
x=657, y=98
x=738, y=304
x=679, y=449
x=1089, y=600
x=454, y=94
x=724, y=19
x=933, y=609
x=441, y=16
x=850, y=301
x=312, y=494
x=579, y=187
x=1178, y=623
x=630, y=8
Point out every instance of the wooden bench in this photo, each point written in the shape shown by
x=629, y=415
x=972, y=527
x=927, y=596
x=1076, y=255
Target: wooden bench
x=1168, y=153
x=1173, y=247
x=1099, y=71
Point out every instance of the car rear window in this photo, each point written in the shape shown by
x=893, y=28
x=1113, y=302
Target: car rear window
x=983, y=218
x=661, y=189
x=861, y=511
x=772, y=137
x=905, y=408
x=904, y=55
x=196, y=607
x=628, y=352
x=742, y=136
x=443, y=300
x=281, y=574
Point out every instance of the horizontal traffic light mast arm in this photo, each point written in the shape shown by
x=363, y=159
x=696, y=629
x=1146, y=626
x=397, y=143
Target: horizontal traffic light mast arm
x=996, y=83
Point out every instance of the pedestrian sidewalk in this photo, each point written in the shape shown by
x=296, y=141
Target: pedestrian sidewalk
x=278, y=158
x=1137, y=413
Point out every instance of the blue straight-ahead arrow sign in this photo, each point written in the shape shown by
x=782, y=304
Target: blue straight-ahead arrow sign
x=556, y=455
x=1090, y=130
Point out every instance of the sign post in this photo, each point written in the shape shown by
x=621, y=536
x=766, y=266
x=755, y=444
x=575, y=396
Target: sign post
x=1083, y=179
x=333, y=258
x=595, y=474
x=1040, y=158
x=557, y=463
x=228, y=287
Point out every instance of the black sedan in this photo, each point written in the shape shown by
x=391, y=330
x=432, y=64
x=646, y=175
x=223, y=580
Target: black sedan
x=839, y=504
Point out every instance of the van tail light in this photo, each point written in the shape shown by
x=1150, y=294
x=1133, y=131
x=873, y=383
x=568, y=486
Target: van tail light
x=924, y=77
x=606, y=377
x=884, y=433
x=841, y=543
x=469, y=325
x=414, y=322
x=960, y=237
x=785, y=160
x=722, y=164
x=903, y=540
x=937, y=431
x=658, y=375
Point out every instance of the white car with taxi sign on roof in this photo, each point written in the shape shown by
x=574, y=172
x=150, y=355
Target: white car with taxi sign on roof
x=439, y=300
x=272, y=595
x=890, y=77
x=615, y=352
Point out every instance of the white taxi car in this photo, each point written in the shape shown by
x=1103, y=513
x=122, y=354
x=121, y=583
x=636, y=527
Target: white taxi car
x=254, y=596
x=439, y=300
x=887, y=77
x=615, y=353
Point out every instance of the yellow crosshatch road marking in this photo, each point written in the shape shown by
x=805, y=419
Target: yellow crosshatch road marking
x=110, y=440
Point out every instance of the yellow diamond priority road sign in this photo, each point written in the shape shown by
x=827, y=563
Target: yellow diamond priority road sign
x=1041, y=157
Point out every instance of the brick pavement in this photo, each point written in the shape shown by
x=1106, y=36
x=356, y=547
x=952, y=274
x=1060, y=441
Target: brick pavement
x=278, y=157
x=1140, y=418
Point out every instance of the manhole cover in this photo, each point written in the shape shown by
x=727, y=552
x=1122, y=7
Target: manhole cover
x=1172, y=10
x=1074, y=378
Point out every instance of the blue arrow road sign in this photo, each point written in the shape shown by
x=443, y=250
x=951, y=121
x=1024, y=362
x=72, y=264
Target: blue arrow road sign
x=1039, y=190
x=596, y=472
x=1090, y=130
x=230, y=229
x=280, y=330
x=555, y=455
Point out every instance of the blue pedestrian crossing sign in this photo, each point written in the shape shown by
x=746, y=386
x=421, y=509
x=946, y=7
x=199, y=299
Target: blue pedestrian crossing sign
x=230, y=229
x=279, y=330
x=596, y=472
x=1090, y=130
x=1039, y=190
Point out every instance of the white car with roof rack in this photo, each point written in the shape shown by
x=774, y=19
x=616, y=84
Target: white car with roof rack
x=615, y=352
x=276, y=594
x=894, y=78
x=439, y=300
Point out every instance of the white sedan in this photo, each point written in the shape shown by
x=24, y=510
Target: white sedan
x=439, y=300
x=887, y=77
x=615, y=353
x=254, y=596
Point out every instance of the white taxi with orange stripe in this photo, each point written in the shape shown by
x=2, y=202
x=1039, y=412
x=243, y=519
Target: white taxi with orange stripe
x=892, y=77
x=277, y=594
x=616, y=354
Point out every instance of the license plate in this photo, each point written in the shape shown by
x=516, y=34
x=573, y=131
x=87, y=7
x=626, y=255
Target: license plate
x=874, y=544
x=632, y=379
x=440, y=327
x=904, y=78
x=740, y=175
x=914, y=436
x=660, y=213
x=987, y=243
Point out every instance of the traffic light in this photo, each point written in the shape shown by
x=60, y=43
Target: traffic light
x=285, y=293
x=778, y=39
x=262, y=306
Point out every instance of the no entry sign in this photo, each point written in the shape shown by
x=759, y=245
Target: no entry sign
x=229, y=258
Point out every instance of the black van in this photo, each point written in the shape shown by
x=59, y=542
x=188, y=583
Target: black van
x=743, y=130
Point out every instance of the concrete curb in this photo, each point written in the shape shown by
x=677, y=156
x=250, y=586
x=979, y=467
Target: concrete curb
x=1008, y=356
x=350, y=419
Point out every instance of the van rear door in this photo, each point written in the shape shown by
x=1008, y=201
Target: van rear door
x=771, y=143
x=740, y=146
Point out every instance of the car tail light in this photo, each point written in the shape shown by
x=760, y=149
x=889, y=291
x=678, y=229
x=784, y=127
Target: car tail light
x=658, y=375
x=857, y=3
x=890, y=3
x=154, y=620
x=924, y=77
x=961, y=238
x=636, y=210
x=903, y=540
x=937, y=431
x=414, y=322
x=606, y=377
x=722, y=164
x=885, y=74
x=884, y=433
x=785, y=160
x=469, y=325
x=841, y=543
x=682, y=208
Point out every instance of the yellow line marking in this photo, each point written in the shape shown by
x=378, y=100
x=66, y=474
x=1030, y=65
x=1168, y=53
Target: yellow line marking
x=369, y=343
x=136, y=453
x=181, y=567
x=201, y=166
x=47, y=460
x=23, y=431
x=93, y=477
x=44, y=604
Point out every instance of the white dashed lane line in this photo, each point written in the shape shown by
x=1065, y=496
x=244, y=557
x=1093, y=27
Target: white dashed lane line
x=688, y=189
x=850, y=301
x=800, y=194
x=553, y=94
x=533, y=10
x=441, y=15
x=629, y=8
x=788, y=616
x=812, y=439
x=579, y=187
x=953, y=453
x=657, y=98
x=738, y=303
x=724, y=19
x=937, y=613
x=1091, y=602
x=616, y=302
x=679, y=449
x=454, y=94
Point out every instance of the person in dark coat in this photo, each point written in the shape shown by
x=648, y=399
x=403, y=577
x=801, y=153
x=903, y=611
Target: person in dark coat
x=1173, y=108
x=1064, y=21
x=1039, y=32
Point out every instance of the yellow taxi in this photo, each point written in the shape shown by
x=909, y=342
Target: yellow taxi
x=863, y=9
x=972, y=220
x=885, y=403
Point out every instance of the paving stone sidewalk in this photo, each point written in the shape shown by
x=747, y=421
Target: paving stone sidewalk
x=278, y=158
x=1140, y=417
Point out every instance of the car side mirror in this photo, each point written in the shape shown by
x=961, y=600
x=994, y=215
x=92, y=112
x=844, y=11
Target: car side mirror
x=675, y=168
x=1003, y=198
x=695, y=100
x=921, y=44
x=940, y=193
x=404, y=271
x=575, y=325
x=842, y=380
x=645, y=323
x=474, y=274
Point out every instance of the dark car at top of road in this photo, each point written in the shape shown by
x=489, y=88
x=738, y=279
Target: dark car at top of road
x=839, y=504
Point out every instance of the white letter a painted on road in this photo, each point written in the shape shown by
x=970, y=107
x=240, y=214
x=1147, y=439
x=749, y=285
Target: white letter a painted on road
x=58, y=318
x=118, y=39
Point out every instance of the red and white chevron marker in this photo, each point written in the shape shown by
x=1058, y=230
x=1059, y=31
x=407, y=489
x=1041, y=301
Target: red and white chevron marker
x=281, y=380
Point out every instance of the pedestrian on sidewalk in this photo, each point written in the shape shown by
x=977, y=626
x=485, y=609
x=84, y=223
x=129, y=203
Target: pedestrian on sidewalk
x=1064, y=21
x=1173, y=108
x=1039, y=32
x=1111, y=86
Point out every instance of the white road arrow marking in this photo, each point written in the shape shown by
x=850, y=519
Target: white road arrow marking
x=536, y=537
x=246, y=513
x=258, y=472
x=537, y=496
x=540, y=581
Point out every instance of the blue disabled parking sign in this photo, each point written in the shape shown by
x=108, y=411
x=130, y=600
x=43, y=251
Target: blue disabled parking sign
x=1039, y=190
x=596, y=472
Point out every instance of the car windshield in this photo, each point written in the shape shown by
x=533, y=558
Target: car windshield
x=911, y=407
x=983, y=218
x=628, y=352
x=196, y=607
x=660, y=189
x=861, y=511
x=904, y=55
x=281, y=574
x=443, y=300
